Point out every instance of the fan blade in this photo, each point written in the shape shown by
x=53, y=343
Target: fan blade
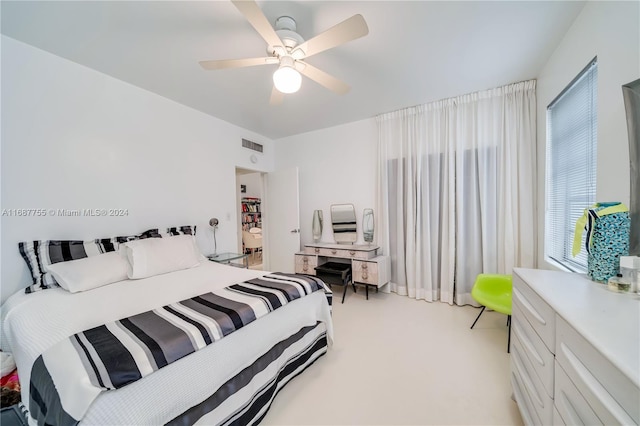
x=350, y=29
x=237, y=63
x=321, y=77
x=258, y=21
x=276, y=97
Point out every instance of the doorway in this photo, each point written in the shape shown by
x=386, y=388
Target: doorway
x=250, y=196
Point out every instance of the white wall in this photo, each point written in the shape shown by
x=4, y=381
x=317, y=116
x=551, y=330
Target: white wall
x=336, y=165
x=253, y=181
x=610, y=31
x=73, y=138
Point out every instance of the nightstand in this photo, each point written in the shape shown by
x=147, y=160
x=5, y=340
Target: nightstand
x=229, y=258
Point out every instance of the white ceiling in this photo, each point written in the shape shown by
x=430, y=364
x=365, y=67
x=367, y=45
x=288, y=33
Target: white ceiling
x=416, y=52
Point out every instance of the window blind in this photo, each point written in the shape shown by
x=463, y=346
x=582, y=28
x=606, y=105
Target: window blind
x=571, y=165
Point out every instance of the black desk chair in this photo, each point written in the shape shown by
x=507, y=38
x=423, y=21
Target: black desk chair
x=335, y=273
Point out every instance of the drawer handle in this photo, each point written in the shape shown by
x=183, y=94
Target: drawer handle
x=528, y=306
x=571, y=410
x=365, y=275
x=524, y=339
x=305, y=260
x=305, y=268
x=317, y=250
x=594, y=385
x=352, y=253
x=334, y=251
x=364, y=266
x=515, y=380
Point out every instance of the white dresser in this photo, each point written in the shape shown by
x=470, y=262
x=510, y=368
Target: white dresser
x=366, y=266
x=575, y=350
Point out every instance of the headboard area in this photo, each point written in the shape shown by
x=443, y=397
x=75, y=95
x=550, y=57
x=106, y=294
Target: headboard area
x=30, y=266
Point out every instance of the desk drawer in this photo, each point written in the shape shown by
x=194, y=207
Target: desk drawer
x=312, y=250
x=345, y=253
x=365, y=272
x=327, y=252
x=539, y=314
x=333, y=252
x=305, y=264
x=612, y=395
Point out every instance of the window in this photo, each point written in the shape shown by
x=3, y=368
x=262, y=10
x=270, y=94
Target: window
x=571, y=165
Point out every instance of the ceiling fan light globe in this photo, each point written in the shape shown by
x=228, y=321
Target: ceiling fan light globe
x=287, y=80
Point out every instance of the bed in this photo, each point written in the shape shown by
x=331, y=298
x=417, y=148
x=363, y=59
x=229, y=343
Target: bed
x=231, y=381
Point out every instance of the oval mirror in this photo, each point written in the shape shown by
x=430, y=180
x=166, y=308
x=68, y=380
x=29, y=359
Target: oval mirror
x=343, y=222
x=316, y=226
x=367, y=225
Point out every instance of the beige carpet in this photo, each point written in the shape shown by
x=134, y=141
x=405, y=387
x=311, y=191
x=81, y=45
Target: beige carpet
x=399, y=361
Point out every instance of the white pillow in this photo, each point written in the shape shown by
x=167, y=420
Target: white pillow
x=89, y=272
x=154, y=256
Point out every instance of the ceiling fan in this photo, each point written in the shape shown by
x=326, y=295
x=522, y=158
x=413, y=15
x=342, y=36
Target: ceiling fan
x=288, y=50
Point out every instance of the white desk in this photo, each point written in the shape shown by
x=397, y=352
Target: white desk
x=367, y=267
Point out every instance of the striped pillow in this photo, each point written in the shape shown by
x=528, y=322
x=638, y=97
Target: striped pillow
x=151, y=233
x=38, y=255
x=182, y=230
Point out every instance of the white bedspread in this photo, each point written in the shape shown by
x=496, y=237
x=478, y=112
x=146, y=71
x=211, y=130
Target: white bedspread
x=32, y=323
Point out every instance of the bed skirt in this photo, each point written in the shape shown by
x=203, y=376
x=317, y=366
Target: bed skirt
x=246, y=397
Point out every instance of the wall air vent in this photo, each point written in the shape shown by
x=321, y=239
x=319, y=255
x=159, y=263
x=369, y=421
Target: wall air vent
x=251, y=145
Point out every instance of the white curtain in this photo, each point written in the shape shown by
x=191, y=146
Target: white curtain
x=456, y=191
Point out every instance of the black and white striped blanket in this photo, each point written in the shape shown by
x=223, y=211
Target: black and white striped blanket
x=70, y=375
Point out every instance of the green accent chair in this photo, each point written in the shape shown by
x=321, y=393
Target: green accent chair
x=493, y=291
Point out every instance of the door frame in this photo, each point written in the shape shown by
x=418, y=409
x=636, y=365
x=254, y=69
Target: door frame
x=244, y=171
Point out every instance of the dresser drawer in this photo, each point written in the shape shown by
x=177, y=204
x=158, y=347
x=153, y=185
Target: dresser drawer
x=365, y=272
x=612, y=396
x=571, y=406
x=539, y=403
x=305, y=264
x=557, y=419
x=539, y=314
x=540, y=357
x=525, y=406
